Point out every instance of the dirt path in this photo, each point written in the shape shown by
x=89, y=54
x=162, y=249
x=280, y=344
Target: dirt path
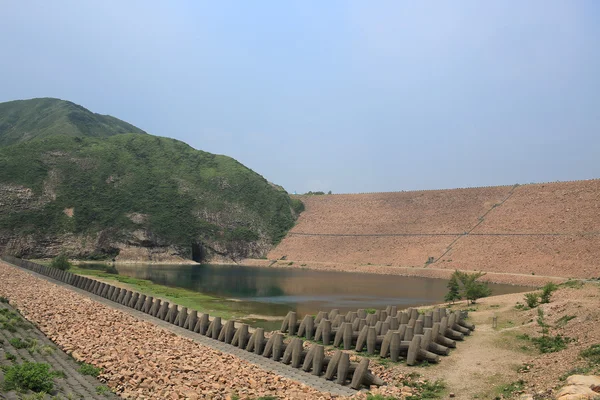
x=481, y=363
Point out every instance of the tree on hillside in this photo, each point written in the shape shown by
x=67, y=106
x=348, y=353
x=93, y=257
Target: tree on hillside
x=453, y=289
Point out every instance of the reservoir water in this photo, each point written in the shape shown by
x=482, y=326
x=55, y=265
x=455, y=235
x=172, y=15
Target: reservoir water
x=272, y=292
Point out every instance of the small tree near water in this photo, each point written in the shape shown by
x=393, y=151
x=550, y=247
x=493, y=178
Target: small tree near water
x=465, y=285
x=453, y=290
x=61, y=262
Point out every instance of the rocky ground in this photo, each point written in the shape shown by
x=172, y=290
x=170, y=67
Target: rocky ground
x=21, y=343
x=139, y=359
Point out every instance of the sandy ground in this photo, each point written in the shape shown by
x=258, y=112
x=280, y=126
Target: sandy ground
x=427, y=272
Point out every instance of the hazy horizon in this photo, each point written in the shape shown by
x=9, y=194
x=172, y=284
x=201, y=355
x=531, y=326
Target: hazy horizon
x=341, y=96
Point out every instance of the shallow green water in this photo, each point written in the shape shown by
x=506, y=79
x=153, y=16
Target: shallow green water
x=272, y=292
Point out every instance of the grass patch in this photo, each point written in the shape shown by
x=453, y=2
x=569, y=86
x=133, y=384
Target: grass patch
x=36, y=377
x=573, y=284
x=547, y=343
x=200, y=302
x=102, y=390
x=592, y=354
x=3, y=300
x=10, y=356
x=425, y=390
x=509, y=390
x=576, y=371
x=11, y=320
x=562, y=321
x=88, y=369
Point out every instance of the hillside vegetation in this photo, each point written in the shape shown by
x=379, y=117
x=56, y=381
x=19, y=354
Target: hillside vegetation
x=550, y=229
x=101, y=187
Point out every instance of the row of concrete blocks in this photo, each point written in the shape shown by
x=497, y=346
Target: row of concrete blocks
x=313, y=360
x=423, y=338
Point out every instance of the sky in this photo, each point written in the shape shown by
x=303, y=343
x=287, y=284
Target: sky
x=347, y=96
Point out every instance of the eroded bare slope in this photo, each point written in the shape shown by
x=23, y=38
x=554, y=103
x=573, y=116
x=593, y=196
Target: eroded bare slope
x=546, y=229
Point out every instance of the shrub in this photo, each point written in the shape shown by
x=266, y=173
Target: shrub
x=18, y=343
x=102, y=390
x=592, y=354
x=547, y=292
x=551, y=344
x=453, y=290
x=3, y=300
x=28, y=376
x=531, y=299
x=88, y=369
x=470, y=288
x=61, y=262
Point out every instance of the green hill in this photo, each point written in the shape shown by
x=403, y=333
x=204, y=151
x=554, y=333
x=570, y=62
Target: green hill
x=99, y=187
x=24, y=120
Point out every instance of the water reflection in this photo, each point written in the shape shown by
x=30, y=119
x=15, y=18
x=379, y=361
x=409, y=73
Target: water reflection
x=275, y=291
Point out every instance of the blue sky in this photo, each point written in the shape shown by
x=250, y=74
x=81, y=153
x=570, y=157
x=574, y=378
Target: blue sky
x=348, y=96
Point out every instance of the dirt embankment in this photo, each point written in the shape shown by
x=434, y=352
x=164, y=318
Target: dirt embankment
x=548, y=229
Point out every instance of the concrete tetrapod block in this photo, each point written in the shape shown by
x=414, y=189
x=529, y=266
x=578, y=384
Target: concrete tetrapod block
x=318, y=360
x=414, y=313
x=385, y=327
x=140, y=302
x=436, y=315
x=361, y=313
x=459, y=325
x=342, y=368
x=216, y=327
x=127, y=298
x=332, y=365
x=347, y=336
x=432, y=345
x=287, y=354
x=325, y=331
x=451, y=333
x=355, y=325
x=418, y=327
x=413, y=350
x=319, y=317
x=412, y=322
x=259, y=340
x=181, y=317
x=116, y=294
x=240, y=338
x=297, y=353
x=308, y=359
x=134, y=298
x=385, y=344
x=428, y=321
x=202, y=324
x=278, y=347
x=441, y=339
x=395, y=343
x=148, y=303
x=383, y=315
x=337, y=321
x=333, y=314
x=404, y=318
x=408, y=333
x=269, y=347
x=190, y=321
x=286, y=323
x=109, y=292
x=172, y=314
x=105, y=290
x=371, y=319
x=371, y=339
x=308, y=327
x=292, y=323
x=361, y=324
x=251, y=343
x=163, y=310
x=227, y=332
x=378, y=326
x=362, y=339
x=359, y=374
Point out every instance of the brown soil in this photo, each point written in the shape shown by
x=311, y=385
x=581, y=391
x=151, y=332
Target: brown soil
x=543, y=229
